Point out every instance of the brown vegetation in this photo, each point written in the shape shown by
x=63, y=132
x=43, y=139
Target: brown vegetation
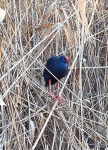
x=32, y=31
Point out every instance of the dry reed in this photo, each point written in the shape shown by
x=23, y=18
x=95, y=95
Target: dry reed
x=32, y=31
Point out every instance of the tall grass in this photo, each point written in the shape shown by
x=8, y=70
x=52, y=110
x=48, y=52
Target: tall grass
x=32, y=31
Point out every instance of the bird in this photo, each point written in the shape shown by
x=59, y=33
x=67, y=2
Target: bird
x=58, y=66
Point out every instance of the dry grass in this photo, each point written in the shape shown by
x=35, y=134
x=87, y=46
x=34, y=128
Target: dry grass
x=32, y=32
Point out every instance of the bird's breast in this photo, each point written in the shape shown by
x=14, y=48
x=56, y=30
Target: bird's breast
x=61, y=70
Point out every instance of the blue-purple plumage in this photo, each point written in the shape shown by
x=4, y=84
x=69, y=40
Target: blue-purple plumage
x=58, y=66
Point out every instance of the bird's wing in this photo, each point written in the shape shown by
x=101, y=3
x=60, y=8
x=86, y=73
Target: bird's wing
x=52, y=60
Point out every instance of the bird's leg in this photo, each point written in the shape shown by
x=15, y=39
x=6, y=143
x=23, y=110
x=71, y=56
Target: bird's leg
x=58, y=96
x=58, y=87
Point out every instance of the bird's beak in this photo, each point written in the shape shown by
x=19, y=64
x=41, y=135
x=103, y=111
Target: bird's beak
x=67, y=59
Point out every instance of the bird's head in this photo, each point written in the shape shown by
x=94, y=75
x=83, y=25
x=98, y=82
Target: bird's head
x=64, y=59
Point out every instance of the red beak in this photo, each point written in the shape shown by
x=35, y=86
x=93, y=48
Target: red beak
x=67, y=59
